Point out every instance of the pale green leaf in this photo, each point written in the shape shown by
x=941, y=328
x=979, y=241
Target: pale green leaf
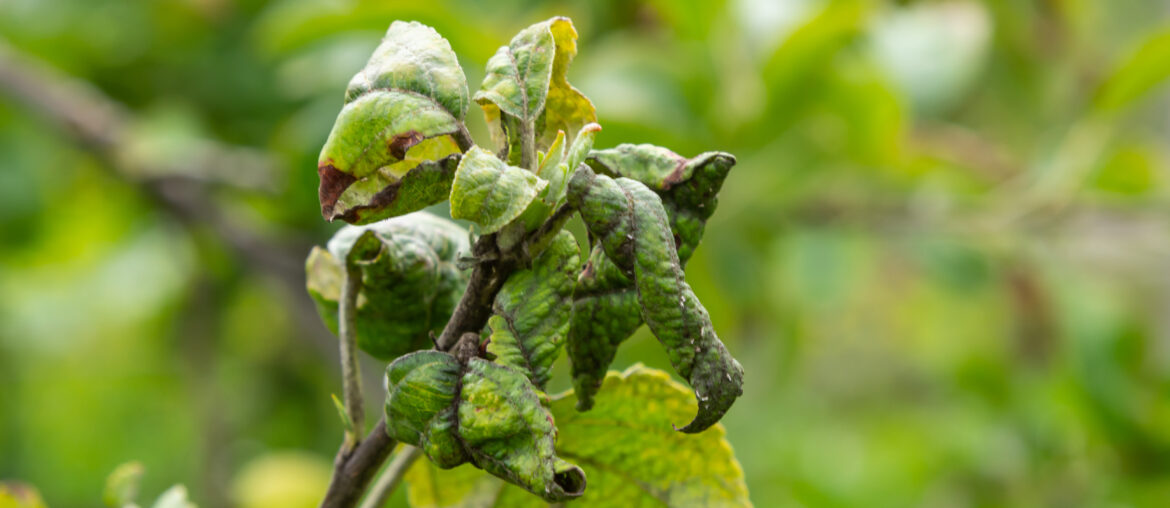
x=410, y=281
x=1140, y=72
x=122, y=485
x=626, y=447
x=566, y=108
x=489, y=192
x=414, y=57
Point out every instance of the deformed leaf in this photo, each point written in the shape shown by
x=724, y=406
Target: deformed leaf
x=632, y=457
x=525, y=91
x=631, y=224
x=688, y=187
x=566, y=108
x=605, y=309
x=532, y=311
x=392, y=150
x=413, y=57
x=478, y=412
x=489, y=192
x=410, y=282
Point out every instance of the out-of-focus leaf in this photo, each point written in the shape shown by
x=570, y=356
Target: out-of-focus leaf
x=489, y=192
x=122, y=485
x=532, y=311
x=478, y=412
x=174, y=497
x=282, y=480
x=410, y=283
x=605, y=308
x=1138, y=73
x=391, y=150
x=631, y=457
x=525, y=91
x=633, y=229
x=19, y=495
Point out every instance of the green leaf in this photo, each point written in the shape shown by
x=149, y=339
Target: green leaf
x=1140, y=72
x=605, y=309
x=174, y=497
x=19, y=495
x=122, y=485
x=413, y=57
x=532, y=311
x=489, y=192
x=688, y=187
x=478, y=412
x=525, y=91
x=410, y=282
x=633, y=229
x=392, y=150
x=631, y=458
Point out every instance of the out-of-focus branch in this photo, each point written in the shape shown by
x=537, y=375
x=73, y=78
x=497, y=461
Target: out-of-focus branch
x=102, y=127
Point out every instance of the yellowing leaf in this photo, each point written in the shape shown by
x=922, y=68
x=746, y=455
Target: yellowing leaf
x=630, y=455
x=392, y=150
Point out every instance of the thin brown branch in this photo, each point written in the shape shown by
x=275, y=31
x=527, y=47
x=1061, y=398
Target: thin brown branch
x=350, y=373
x=392, y=477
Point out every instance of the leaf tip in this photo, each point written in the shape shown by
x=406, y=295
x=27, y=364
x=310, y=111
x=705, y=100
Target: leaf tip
x=333, y=183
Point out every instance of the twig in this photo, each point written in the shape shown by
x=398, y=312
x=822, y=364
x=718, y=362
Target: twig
x=353, y=471
x=350, y=372
x=391, y=477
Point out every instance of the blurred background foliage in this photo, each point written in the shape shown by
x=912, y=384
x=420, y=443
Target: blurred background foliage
x=941, y=257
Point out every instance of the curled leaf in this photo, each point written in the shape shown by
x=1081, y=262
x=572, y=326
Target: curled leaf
x=392, y=149
x=631, y=224
x=525, y=91
x=605, y=308
x=489, y=192
x=532, y=311
x=625, y=444
x=478, y=412
x=410, y=283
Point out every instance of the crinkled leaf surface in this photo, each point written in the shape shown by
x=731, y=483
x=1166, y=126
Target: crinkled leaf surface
x=606, y=310
x=415, y=58
x=391, y=149
x=410, y=283
x=532, y=311
x=631, y=224
x=626, y=447
x=525, y=87
x=491, y=193
x=479, y=412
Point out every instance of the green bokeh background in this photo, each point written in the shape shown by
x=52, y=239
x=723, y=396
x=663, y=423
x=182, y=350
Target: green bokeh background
x=942, y=258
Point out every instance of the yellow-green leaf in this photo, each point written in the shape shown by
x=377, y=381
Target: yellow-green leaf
x=626, y=447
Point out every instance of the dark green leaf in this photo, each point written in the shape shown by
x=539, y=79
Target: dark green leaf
x=532, y=311
x=478, y=412
x=410, y=283
x=633, y=229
